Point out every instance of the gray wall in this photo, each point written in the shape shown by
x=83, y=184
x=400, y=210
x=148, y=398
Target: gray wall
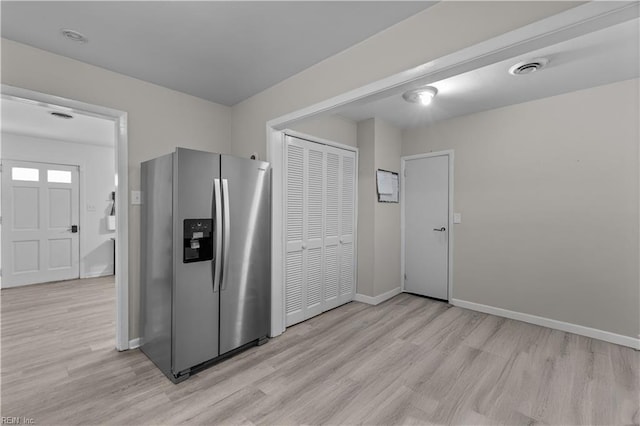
x=548, y=192
x=366, y=208
x=387, y=231
x=330, y=127
x=159, y=120
x=379, y=144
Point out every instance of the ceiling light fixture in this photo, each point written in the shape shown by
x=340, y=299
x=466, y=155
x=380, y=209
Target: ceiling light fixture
x=74, y=36
x=529, y=66
x=61, y=115
x=422, y=95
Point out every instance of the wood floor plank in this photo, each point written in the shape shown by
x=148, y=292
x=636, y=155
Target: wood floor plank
x=410, y=360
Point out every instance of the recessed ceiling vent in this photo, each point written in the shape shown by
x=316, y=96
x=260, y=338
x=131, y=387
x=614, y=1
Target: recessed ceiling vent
x=61, y=115
x=528, y=67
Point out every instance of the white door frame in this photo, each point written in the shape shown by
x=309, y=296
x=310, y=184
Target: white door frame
x=403, y=161
x=122, y=197
x=571, y=23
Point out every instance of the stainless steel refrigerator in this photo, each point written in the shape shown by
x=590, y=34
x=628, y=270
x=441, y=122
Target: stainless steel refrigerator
x=205, y=256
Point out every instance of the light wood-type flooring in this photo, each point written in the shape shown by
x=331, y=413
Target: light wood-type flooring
x=409, y=360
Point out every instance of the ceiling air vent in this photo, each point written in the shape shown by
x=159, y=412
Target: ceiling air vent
x=528, y=67
x=61, y=115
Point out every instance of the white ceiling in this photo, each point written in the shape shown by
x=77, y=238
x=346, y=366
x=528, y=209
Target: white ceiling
x=34, y=119
x=601, y=57
x=223, y=51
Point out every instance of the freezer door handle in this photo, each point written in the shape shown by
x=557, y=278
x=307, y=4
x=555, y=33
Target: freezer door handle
x=227, y=227
x=217, y=267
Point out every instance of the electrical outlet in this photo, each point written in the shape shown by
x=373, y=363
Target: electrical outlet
x=457, y=218
x=91, y=207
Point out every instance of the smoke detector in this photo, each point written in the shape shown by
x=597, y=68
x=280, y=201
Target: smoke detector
x=422, y=95
x=74, y=36
x=528, y=67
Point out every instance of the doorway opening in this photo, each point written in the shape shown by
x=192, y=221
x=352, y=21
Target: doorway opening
x=64, y=214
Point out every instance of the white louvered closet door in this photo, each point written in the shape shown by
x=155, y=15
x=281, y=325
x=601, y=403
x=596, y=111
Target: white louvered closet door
x=295, y=275
x=304, y=225
x=332, y=229
x=319, y=228
x=314, y=226
x=347, y=226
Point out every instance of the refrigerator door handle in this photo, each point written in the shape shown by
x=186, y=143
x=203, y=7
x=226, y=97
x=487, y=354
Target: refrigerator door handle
x=227, y=227
x=217, y=267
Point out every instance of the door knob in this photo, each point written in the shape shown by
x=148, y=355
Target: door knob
x=440, y=230
x=304, y=246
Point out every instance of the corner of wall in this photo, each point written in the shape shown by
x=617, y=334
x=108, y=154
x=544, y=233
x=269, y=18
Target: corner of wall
x=379, y=223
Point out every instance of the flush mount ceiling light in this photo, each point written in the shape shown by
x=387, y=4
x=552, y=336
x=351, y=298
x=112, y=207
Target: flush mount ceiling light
x=61, y=115
x=422, y=95
x=528, y=67
x=74, y=36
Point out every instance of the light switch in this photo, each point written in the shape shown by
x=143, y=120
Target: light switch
x=457, y=218
x=136, y=197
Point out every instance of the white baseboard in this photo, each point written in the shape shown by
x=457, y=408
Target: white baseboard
x=594, y=333
x=376, y=300
x=134, y=343
x=81, y=277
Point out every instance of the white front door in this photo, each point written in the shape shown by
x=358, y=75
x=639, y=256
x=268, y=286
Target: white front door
x=426, y=221
x=40, y=215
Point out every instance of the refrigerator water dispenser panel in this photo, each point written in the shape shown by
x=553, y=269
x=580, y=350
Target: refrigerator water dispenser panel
x=197, y=240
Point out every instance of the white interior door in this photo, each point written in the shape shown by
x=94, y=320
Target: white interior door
x=347, y=226
x=426, y=221
x=304, y=252
x=339, y=286
x=40, y=214
x=319, y=228
x=332, y=229
x=314, y=223
x=295, y=274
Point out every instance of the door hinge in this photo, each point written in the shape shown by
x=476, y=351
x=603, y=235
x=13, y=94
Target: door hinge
x=405, y=172
x=405, y=277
